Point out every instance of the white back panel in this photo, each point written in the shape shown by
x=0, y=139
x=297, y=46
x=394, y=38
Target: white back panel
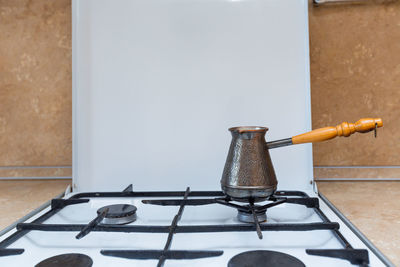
x=157, y=83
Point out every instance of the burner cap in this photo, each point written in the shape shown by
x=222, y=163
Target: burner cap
x=67, y=260
x=265, y=258
x=119, y=214
x=247, y=216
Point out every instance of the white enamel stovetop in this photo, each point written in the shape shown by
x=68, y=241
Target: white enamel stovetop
x=40, y=245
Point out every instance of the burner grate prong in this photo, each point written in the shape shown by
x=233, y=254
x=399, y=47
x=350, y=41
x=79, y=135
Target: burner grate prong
x=354, y=256
x=61, y=203
x=177, y=202
x=129, y=188
x=256, y=222
x=226, y=202
x=11, y=251
x=174, y=223
x=156, y=254
x=270, y=205
x=309, y=202
x=91, y=225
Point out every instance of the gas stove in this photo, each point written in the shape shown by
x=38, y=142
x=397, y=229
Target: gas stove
x=156, y=85
x=187, y=228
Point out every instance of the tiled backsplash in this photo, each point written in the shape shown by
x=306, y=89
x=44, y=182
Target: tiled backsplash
x=35, y=87
x=355, y=73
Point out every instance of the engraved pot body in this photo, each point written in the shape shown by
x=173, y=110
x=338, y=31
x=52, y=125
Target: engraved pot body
x=248, y=172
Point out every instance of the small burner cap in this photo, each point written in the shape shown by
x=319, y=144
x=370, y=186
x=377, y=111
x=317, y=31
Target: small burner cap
x=118, y=210
x=119, y=214
x=265, y=258
x=67, y=260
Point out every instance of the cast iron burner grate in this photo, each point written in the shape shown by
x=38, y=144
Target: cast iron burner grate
x=354, y=256
x=265, y=258
x=67, y=260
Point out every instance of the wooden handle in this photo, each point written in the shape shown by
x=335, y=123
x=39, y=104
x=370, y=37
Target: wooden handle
x=343, y=129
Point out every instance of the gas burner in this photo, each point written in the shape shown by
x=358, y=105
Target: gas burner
x=247, y=216
x=266, y=258
x=67, y=260
x=118, y=214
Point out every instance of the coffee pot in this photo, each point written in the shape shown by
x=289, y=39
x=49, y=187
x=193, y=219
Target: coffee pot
x=249, y=174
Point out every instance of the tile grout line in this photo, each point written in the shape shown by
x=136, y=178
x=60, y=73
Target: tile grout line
x=356, y=179
x=37, y=178
x=35, y=167
x=315, y=166
x=357, y=167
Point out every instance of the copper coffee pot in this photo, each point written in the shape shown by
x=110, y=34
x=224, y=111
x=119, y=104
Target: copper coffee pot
x=249, y=173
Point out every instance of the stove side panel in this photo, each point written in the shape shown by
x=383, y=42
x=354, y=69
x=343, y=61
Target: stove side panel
x=157, y=83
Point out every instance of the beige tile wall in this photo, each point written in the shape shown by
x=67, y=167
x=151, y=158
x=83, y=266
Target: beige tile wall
x=35, y=87
x=355, y=73
x=355, y=67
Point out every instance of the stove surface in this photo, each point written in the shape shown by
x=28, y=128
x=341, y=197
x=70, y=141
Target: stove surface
x=173, y=230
